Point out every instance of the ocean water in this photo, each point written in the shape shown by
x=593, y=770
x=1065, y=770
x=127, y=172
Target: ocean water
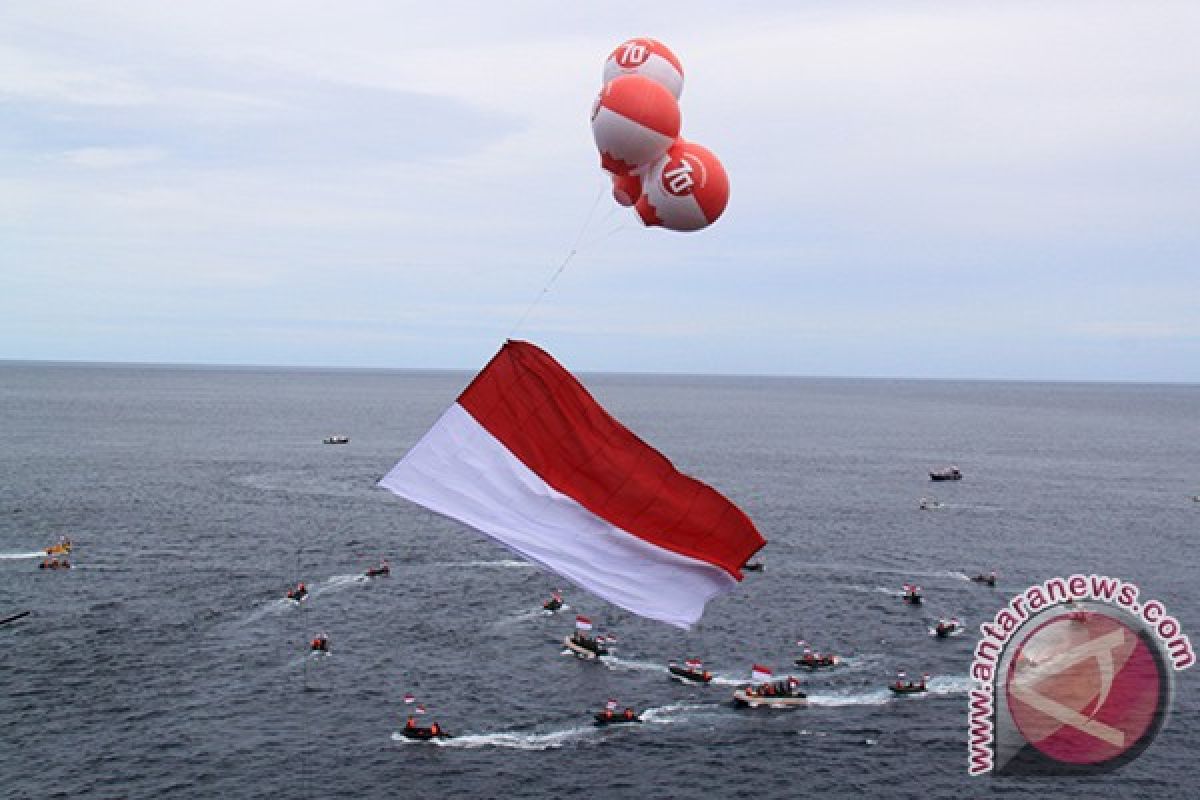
x=167, y=664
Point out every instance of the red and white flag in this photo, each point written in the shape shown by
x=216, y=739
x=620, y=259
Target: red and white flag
x=760, y=673
x=611, y=704
x=420, y=709
x=582, y=623
x=409, y=699
x=527, y=456
x=694, y=663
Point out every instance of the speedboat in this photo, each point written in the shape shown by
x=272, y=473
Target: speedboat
x=336, y=439
x=320, y=644
x=753, y=566
x=691, y=672
x=912, y=594
x=54, y=563
x=555, y=603
x=990, y=580
x=610, y=717
x=585, y=647
x=379, y=572
x=929, y=504
x=297, y=594
x=947, y=474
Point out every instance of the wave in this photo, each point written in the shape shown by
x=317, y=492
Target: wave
x=34, y=554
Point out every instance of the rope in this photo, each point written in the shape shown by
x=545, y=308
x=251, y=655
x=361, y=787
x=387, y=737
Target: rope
x=562, y=266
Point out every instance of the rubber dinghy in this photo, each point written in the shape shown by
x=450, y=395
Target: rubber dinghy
x=818, y=660
x=692, y=672
x=420, y=734
x=627, y=717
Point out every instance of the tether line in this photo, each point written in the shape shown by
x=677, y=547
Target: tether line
x=562, y=266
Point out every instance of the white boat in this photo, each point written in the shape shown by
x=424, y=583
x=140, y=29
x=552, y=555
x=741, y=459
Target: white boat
x=750, y=697
x=337, y=439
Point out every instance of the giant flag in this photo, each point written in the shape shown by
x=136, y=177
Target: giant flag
x=527, y=456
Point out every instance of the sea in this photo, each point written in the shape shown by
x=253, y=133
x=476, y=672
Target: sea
x=168, y=663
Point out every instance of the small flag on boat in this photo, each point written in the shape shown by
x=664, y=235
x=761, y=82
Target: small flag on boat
x=901, y=674
x=611, y=704
x=409, y=699
x=582, y=623
x=420, y=709
x=528, y=457
x=694, y=663
x=760, y=673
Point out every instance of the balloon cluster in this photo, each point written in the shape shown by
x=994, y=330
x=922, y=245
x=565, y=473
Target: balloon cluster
x=671, y=182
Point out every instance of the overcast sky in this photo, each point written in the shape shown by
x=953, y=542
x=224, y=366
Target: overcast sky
x=950, y=189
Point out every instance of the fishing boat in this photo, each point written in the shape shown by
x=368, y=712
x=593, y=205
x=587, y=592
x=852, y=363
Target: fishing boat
x=947, y=474
x=61, y=549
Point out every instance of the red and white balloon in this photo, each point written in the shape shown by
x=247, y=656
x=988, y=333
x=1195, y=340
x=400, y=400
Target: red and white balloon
x=648, y=57
x=686, y=190
x=634, y=121
x=672, y=183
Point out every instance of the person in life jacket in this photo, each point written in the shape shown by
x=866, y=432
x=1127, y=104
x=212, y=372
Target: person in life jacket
x=435, y=729
x=410, y=723
x=628, y=713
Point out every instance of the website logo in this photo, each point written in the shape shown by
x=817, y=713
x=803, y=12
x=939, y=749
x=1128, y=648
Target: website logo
x=1073, y=676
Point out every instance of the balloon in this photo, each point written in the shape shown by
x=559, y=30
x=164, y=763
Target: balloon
x=685, y=190
x=626, y=189
x=634, y=121
x=648, y=57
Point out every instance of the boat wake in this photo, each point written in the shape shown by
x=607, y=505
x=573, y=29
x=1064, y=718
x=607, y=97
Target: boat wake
x=513, y=740
x=339, y=582
x=579, y=734
x=839, y=699
x=507, y=563
x=631, y=665
x=34, y=554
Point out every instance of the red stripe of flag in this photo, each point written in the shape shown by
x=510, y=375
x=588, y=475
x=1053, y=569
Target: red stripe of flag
x=548, y=421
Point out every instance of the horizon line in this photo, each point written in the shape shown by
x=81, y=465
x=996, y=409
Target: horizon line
x=204, y=365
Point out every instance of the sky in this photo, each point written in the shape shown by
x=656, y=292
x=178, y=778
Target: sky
x=961, y=190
